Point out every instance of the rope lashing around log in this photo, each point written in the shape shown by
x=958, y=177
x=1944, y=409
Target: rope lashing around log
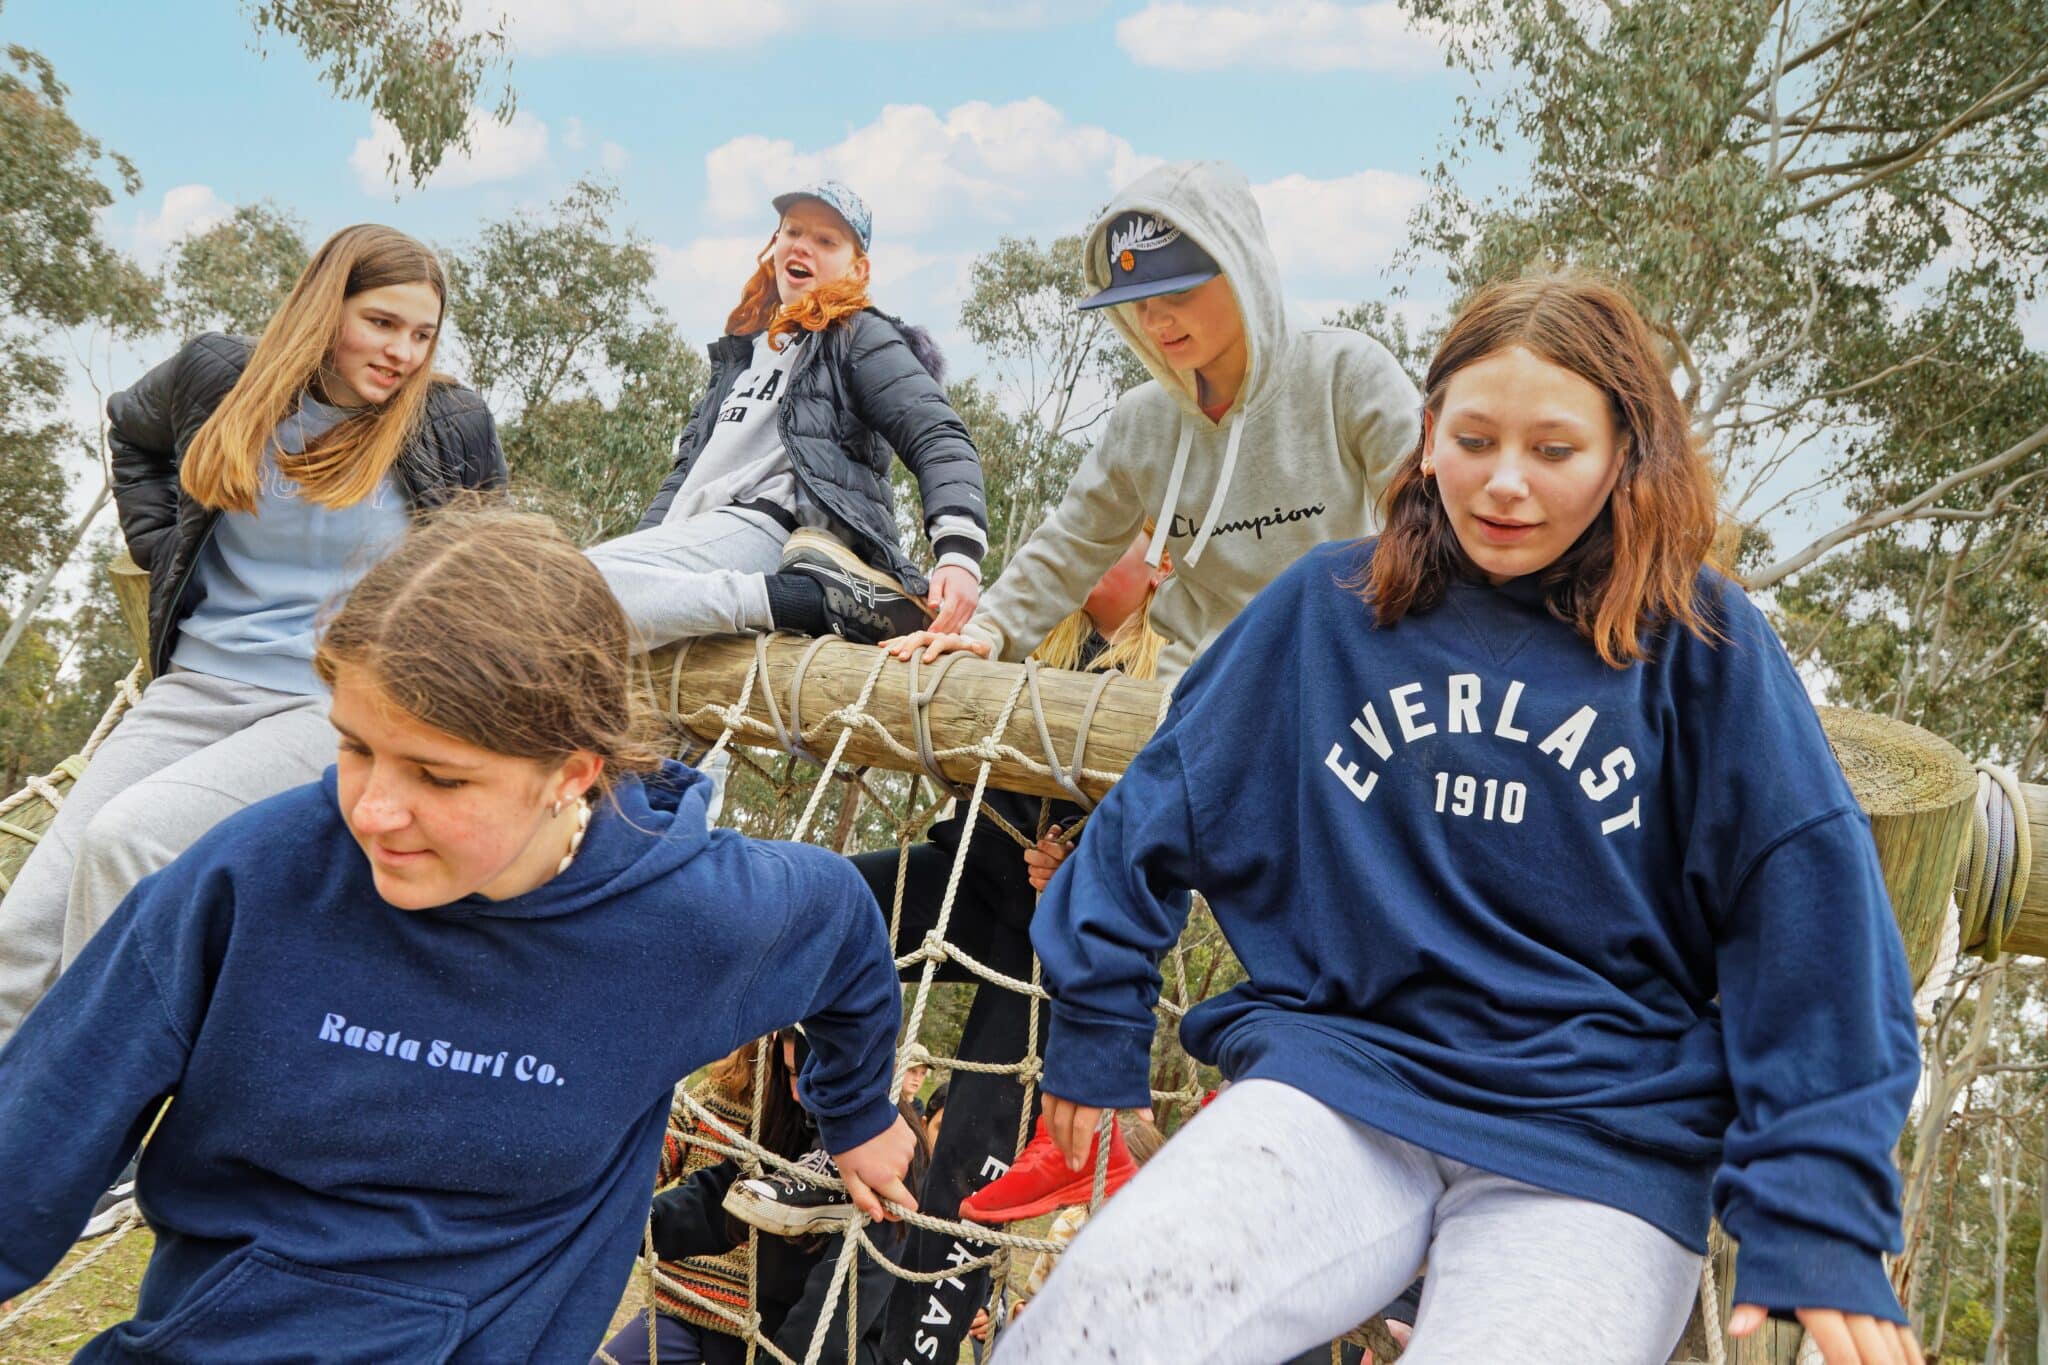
x=1992, y=883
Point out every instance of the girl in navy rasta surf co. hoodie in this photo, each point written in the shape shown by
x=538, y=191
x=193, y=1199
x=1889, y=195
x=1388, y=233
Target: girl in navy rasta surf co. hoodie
x=422, y=1020
x=1561, y=926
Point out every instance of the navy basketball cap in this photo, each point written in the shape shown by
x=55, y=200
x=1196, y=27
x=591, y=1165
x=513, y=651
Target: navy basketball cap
x=1148, y=256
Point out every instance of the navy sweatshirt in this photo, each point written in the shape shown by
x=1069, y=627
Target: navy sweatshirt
x=430, y=1135
x=1488, y=889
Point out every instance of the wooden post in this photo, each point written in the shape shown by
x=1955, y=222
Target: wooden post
x=2029, y=934
x=131, y=590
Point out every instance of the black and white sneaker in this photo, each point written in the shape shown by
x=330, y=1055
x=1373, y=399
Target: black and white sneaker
x=788, y=1205
x=114, y=1207
x=862, y=604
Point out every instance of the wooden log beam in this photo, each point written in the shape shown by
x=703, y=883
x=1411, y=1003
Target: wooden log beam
x=2029, y=935
x=131, y=590
x=1115, y=715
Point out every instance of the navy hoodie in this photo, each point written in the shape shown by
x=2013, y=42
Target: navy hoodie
x=420, y=1135
x=1487, y=890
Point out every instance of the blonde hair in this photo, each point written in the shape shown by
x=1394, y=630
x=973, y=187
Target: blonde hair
x=347, y=462
x=490, y=626
x=1133, y=648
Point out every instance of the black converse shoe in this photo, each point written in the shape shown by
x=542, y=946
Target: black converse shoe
x=114, y=1207
x=862, y=604
x=788, y=1205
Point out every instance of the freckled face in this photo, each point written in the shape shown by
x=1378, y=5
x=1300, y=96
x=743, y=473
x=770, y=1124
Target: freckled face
x=386, y=335
x=438, y=817
x=1525, y=454
x=813, y=246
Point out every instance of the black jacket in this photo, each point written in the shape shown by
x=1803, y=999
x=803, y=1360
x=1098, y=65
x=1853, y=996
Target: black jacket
x=791, y=1275
x=862, y=387
x=151, y=424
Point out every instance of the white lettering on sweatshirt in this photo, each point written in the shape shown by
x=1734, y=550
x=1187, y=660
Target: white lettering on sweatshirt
x=439, y=1053
x=1601, y=780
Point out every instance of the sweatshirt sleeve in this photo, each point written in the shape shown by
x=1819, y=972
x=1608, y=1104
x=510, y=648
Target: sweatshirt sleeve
x=1818, y=1029
x=83, y=1079
x=835, y=941
x=1059, y=565
x=690, y=1220
x=1110, y=913
x=1379, y=414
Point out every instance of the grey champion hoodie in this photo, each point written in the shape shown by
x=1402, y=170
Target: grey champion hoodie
x=1301, y=456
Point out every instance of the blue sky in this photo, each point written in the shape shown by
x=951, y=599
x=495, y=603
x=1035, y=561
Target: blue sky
x=960, y=121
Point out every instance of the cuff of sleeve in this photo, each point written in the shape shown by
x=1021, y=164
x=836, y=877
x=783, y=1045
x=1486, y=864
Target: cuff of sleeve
x=1785, y=1266
x=844, y=1132
x=1098, y=1062
x=978, y=629
x=960, y=558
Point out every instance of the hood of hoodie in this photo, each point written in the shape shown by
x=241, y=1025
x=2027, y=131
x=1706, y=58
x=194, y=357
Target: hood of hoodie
x=646, y=828
x=1212, y=203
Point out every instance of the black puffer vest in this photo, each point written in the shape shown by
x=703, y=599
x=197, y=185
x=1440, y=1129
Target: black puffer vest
x=151, y=424
x=863, y=387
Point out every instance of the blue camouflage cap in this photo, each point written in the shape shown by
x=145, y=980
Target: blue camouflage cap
x=841, y=200
x=1149, y=255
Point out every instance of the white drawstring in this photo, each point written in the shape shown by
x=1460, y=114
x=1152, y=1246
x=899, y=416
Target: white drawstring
x=1222, y=487
x=1180, y=467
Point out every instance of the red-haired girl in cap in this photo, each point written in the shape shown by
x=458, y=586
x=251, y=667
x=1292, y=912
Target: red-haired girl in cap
x=778, y=514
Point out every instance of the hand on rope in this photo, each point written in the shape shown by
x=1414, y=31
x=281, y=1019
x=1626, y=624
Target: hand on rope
x=1073, y=1127
x=1044, y=859
x=954, y=595
x=934, y=642
x=1843, y=1338
x=874, y=1171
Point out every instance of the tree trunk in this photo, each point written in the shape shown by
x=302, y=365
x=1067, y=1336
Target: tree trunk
x=2041, y=1257
x=33, y=602
x=2001, y=1216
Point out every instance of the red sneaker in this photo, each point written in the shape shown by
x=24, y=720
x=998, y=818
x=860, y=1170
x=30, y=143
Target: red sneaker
x=1040, y=1180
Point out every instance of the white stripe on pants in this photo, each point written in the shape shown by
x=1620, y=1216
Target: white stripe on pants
x=1272, y=1224
x=196, y=749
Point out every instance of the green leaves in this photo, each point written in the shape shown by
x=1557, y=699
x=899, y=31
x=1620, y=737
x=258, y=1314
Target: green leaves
x=234, y=275
x=555, y=318
x=413, y=61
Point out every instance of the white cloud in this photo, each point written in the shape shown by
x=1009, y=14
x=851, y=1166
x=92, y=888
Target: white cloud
x=539, y=27
x=1340, y=228
x=497, y=151
x=917, y=168
x=185, y=210
x=1294, y=35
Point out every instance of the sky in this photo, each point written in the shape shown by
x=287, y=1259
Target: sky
x=959, y=121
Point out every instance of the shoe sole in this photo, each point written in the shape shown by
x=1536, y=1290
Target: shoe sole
x=783, y=1221
x=1073, y=1192
x=109, y=1218
x=807, y=541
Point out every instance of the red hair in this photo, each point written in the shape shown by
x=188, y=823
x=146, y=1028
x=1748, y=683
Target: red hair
x=1637, y=565
x=761, y=308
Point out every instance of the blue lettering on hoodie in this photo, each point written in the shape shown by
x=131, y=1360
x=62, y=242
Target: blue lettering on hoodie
x=422, y=1135
x=1617, y=933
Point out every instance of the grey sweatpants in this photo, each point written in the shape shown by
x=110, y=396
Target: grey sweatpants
x=1272, y=1223
x=192, y=752
x=702, y=575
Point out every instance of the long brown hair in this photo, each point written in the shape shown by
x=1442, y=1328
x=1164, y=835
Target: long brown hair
x=761, y=306
x=1133, y=647
x=489, y=625
x=1636, y=566
x=346, y=463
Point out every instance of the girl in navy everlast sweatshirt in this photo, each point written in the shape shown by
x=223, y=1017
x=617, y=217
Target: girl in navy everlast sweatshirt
x=1561, y=925
x=419, y=1018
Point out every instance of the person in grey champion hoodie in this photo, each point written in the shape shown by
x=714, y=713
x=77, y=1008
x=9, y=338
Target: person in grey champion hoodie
x=1242, y=480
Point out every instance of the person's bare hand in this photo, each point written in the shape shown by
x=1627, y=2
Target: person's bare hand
x=1043, y=860
x=1073, y=1127
x=978, y=1329
x=934, y=643
x=1843, y=1338
x=954, y=594
x=874, y=1170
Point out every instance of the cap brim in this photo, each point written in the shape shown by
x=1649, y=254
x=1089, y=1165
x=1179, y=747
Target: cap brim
x=781, y=202
x=1130, y=293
